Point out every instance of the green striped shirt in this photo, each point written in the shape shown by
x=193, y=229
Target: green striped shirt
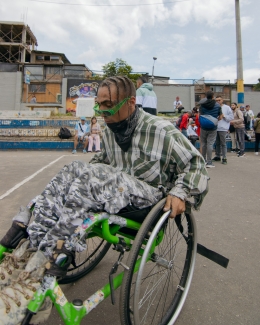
x=159, y=155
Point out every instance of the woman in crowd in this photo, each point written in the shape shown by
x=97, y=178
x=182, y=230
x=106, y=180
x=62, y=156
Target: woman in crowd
x=257, y=133
x=95, y=130
x=239, y=126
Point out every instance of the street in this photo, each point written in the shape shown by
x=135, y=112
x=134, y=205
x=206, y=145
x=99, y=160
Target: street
x=228, y=223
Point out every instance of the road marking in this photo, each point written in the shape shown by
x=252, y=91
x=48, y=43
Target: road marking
x=29, y=178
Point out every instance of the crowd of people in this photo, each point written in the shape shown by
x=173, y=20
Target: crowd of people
x=212, y=121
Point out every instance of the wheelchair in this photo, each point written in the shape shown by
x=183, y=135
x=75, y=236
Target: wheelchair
x=155, y=278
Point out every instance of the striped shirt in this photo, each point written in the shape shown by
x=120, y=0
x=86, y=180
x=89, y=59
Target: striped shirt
x=159, y=155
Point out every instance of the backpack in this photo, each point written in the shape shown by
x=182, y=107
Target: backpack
x=64, y=133
x=208, y=122
x=178, y=123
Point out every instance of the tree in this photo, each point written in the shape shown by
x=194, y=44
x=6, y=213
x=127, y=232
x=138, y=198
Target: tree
x=257, y=86
x=119, y=67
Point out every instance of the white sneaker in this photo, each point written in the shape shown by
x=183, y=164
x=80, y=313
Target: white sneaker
x=15, y=297
x=14, y=263
x=256, y=153
x=74, y=151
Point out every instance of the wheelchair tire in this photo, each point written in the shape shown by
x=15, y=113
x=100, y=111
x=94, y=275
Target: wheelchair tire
x=87, y=260
x=155, y=294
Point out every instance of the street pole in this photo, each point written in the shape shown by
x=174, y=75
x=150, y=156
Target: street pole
x=240, y=81
x=154, y=58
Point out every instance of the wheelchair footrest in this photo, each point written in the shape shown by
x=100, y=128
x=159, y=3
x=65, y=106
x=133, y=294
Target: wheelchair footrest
x=213, y=256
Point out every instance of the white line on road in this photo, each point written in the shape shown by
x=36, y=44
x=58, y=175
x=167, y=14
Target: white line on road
x=29, y=178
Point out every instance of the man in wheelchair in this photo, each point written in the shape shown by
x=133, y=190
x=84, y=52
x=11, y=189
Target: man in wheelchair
x=142, y=156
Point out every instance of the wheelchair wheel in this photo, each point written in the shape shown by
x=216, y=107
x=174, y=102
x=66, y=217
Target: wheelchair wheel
x=155, y=294
x=87, y=260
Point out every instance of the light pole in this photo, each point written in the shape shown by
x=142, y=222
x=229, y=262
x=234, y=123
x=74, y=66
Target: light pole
x=240, y=81
x=154, y=58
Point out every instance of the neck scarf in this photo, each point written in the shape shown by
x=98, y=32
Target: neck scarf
x=124, y=130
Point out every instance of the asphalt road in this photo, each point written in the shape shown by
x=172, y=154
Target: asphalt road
x=228, y=222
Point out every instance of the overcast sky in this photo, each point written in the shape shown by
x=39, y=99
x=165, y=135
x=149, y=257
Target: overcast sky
x=190, y=38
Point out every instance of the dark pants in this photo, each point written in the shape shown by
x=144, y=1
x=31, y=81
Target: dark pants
x=221, y=145
x=240, y=135
x=257, y=140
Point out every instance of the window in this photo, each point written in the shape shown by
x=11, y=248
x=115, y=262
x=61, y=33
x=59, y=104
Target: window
x=34, y=88
x=53, y=70
x=54, y=58
x=36, y=72
x=39, y=57
x=217, y=89
x=74, y=71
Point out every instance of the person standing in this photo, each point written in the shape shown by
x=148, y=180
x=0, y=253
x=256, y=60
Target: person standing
x=81, y=134
x=94, y=136
x=177, y=105
x=249, y=117
x=222, y=129
x=33, y=99
x=232, y=132
x=184, y=123
x=209, y=114
x=257, y=133
x=145, y=96
x=239, y=126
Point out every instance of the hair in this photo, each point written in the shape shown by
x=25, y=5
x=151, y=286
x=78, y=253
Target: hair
x=124, y=86
x=92, y=118
x=195, y=109
x=143, y=79
x=218, y=96
x=258, y=115
x=234, y=104
x=209, y=94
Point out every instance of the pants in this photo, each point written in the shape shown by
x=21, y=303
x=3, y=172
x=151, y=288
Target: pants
x=221, y=145
x=207, y=139
x=78, y=188
x=257, y=140
x=94, y=138
x=233, y=140
x=240, y=135
x=184, y=132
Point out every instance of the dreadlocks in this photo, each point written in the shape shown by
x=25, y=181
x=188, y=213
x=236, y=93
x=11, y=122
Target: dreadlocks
x=124, y=86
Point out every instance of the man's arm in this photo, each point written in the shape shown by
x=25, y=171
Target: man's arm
x=228, y=114
x=191, y=175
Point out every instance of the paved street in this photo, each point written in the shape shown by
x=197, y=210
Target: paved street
x=228, y=222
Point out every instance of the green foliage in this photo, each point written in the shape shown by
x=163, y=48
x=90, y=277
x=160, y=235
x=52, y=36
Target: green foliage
x=119, y=67
x=257, y=86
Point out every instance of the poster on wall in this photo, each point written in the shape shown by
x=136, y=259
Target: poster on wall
x=79, y=88
x=85, y=106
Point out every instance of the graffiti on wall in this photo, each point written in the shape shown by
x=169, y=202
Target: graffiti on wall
x=78, y=88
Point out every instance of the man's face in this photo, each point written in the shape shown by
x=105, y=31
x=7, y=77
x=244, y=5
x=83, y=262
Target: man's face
x=83, y=122
x=105, y=102
x=247, y=107
x=138, y=83
x=219, y=100
x=233, y=106
x=177, y=99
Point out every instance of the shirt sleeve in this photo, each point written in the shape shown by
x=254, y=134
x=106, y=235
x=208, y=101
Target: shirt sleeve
x=191, y=177
x=76, y=126
x=229, y=116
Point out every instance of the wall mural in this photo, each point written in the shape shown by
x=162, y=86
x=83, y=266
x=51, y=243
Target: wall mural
x=78, y=88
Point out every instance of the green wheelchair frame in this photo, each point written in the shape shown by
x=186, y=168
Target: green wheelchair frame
x=156, y=276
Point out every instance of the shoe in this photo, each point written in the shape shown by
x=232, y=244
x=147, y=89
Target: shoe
x=60, y=260
x=256, y=153
x=13, y=263
x=74, y=151
x=15, y=297
x=14, y=235
x=224, y=161
x=241, y=155
x=233, y=150
x=97, y=150
x=89, y=151
x=216, y=158
x=84, y=151
x=43, y=314
x=209, y=165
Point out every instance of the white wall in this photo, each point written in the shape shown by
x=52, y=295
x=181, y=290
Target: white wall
x=166, y=95
x=251, y=98
x=10, y=90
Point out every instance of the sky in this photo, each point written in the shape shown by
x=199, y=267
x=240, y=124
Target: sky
x=190, y=38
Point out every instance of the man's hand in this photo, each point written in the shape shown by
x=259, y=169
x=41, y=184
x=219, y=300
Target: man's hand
x=175, y=204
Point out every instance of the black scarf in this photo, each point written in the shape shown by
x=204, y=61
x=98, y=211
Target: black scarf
x=124, y=130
